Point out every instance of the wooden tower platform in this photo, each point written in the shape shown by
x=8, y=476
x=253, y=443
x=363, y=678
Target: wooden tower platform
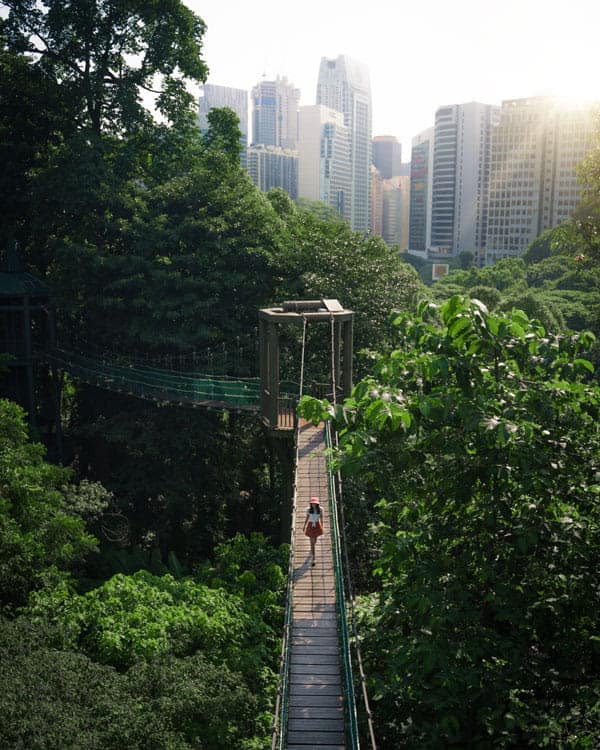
x=316, y=703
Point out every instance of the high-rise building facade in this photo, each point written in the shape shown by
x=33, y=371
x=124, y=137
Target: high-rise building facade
x=216, y=97
x=461, y=168
x=387, y=155
x=396, y=205
x=421, y=179
x=271, y=166
x=533, y=185
x=275, y=113
x=324, y=158
x=376, y=201
x=344, y=85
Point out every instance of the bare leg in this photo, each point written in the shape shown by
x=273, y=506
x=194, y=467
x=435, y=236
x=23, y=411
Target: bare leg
x=313, y=542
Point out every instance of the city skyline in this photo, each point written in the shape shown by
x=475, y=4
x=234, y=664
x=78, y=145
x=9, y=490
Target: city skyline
x=419, y=58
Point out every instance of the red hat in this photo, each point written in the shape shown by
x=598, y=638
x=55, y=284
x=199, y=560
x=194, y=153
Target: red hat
x=315, y=500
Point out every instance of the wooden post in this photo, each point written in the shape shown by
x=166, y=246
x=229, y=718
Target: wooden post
x=263, y=366
x=337, y=334
x=347, y=336
x=28, y=360
x=56, y=386
x=273, y=374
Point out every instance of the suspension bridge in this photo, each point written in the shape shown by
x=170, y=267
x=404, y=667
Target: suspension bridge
x=316, y=703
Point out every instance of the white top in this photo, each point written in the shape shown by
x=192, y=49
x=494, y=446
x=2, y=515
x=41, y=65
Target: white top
x=313, y=518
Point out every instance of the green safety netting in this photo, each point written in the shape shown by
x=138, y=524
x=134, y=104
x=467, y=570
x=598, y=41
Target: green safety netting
x=162, y=385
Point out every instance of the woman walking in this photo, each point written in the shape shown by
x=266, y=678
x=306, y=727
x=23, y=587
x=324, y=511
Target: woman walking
x=313, y=524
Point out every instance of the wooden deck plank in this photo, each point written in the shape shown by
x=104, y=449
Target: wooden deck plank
x=315, y=739
x=307, y=700
x=316, y=692
x=316, y=712
x=324, y=725
x=302, y=657
x=333, y=669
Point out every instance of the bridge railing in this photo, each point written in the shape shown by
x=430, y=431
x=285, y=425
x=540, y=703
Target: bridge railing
x=341, y=564
x=280, y=721
x=159, y=385
x=348, y=680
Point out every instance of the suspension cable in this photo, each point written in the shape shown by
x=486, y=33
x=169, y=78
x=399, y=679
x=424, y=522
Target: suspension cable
x=333, y=371
x=302, y=353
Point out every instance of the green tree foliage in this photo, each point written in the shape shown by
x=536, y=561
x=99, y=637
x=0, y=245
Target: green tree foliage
x=230, y=611
x=34, y=117
x=557, y=289
x=479, y=434
x=489, y=295
x=224, y=134
x=73, y=702
x=583, y=232
x=188, y=267
x=328, y=259
x=222, y=626
x=542, y=247
x=41, y=532
x=184, y=479
x=106, y=53
x=139, y=617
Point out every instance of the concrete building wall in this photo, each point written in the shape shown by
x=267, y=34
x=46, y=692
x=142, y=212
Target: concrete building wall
x=213, y=97
x=376, y=202
x=270, y=167
x=396, y=211
x=344, y=85
x=421, y=179
x=461, y=168
x=324, y=158
x=387, y=155
x=275, y=113
x=533, y=185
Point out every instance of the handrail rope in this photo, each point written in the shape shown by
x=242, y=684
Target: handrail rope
x=90, y=374
x=176, y=385
x=352, y=723
x=363, y=678
x=215, y=349
x=278, y=741
x=352, y=719
x=342, y=535
x=222, y=363
x=172, y=374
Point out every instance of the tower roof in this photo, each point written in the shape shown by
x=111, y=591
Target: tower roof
x=15, y=281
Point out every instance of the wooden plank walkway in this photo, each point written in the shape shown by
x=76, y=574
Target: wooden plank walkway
x=316, y=708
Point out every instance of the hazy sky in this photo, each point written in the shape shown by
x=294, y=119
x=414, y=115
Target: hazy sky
x=420, y=54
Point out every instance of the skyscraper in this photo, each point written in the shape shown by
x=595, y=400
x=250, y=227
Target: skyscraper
x=324, y=157
x=533, y=185
x=213, y=97
x=461, y=165
x=275, y=113
x=271, y=166
x=344, y=85
x=376, y=202
x=387, y=155
x=396, y=204
x=421, y=179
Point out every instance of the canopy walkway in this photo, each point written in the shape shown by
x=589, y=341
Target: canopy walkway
x=316, y=706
